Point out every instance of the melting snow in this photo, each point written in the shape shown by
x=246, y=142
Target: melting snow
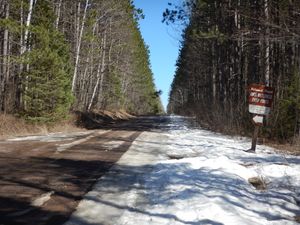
x=52, y=137
x=112, y=144
x=42, y=199
x=66, y=146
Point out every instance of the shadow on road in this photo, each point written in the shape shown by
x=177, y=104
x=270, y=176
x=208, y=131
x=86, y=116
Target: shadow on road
x=142, y=123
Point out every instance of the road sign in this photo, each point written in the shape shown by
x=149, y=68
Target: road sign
x=258, y=120
x=260, y=99
x=260, y=102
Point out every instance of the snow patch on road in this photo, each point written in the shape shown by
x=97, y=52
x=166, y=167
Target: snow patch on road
x=38, y=202
x=52, y=137
x=66, y=146
x=112, y=144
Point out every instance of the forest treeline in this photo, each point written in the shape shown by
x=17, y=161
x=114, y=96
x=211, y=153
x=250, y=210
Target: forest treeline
x=83, y=55
x=228, y=45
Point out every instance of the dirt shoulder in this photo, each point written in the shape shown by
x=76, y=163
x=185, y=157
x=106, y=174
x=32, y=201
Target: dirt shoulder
x=290, y=149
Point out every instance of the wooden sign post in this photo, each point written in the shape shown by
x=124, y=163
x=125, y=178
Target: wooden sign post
x=260, y=102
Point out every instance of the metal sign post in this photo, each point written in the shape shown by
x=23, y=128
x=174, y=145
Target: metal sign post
x=260, y=102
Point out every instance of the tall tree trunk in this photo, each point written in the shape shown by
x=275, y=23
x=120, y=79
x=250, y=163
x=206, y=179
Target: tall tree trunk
x=78, y=46
x=5, y=61
x=89, y=67
x=100, y=74
x=27, y=24
x=214, y=73
x=58, y=14
x=24, y=47
x=267, y=47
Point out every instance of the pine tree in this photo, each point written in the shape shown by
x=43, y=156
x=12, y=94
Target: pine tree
x=46, y=83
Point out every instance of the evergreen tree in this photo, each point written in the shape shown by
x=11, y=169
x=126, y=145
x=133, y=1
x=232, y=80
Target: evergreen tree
x=46, y=83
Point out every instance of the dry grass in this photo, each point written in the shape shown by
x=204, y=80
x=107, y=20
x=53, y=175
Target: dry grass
x=258, y=182
x=13, y=126
x=114, y=115
x=293, y=149
x=121, y=114
x=67, y=125
x=100, y=118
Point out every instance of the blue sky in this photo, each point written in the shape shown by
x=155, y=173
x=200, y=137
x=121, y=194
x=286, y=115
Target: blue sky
x=163, y=42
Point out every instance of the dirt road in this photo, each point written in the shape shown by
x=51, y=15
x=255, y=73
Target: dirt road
x=172, y=173
x=43, y=178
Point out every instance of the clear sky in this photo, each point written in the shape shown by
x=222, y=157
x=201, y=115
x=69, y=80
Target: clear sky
x=163, y=42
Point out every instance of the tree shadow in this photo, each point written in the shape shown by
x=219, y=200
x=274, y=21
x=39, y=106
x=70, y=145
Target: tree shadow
x=141, y=123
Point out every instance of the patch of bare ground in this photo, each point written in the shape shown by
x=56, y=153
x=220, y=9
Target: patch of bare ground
x=174, y=156
x=297, y=218
x=258, y=182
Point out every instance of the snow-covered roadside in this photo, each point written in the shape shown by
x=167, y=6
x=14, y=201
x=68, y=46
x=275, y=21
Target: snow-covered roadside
x=192, y=176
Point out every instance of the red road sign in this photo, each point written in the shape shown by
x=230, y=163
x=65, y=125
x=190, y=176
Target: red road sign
x=260, y=99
